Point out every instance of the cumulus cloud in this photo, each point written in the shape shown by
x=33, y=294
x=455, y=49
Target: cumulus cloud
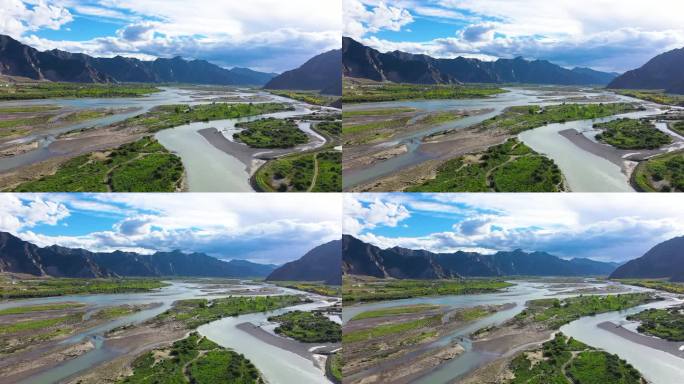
x=609, y=227
x=267, y=229
x=608, y=35
x=359, y=217
x=16, y=17
x=360, y=19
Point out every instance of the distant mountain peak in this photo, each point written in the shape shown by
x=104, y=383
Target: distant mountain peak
x=664, y=260
x=663, y=72
x=320, y=73
x=322, y=263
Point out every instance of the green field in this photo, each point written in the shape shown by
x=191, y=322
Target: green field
x=309, y=97
x=376, y=112
x=358, y=92
x=395, y=311
x=565, y=360
x=332, y=128
x=661, y=285
x=554, y=313
x=27, y=288
x=39, y=308
x=318, y=288
x=196, y=360
x=508, y=167
x=389, y=329
x=141, y=166
x=519, y=119
x=677, y=126
x=296, y=172
x=307, y=327
x=271, y=133
x=663, y=173
x=665, y=323
x=632, y=134
x=334, y=367
x=46, y=90
x=375, y=290
x=195, y=312
x=40, y=324
x=654, y=96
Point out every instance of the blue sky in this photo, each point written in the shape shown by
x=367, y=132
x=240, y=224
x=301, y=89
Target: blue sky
x=267, y=35
x=609, y=35
x=607, y=227
x=261, y=228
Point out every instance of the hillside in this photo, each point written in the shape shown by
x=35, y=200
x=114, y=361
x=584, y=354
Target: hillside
x=665, y=260
x=323, y=263
x=19, y=256
x=360, y=258
x=663, y=72
x=360, y=61
x=321, y=73
x=17, y=59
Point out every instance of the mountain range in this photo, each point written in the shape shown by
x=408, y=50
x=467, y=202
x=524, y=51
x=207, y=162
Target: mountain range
x=360, y=61
x=17, y=59
x=19, y=256
x=360, y=258
x=663, y=261
x=323, y=263
x=321, y=73
x=663, y=72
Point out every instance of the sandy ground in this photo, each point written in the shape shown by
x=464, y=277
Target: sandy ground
x=671, y=347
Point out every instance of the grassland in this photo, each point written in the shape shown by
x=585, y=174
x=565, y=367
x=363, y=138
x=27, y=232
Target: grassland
x=390, y=329
x=665, y=323
x=307, y=327
x=632, y=134
x=333, y=128
x=663, y=173
x=376, y=112
x=302, y=172
x=35, y=325
x=658, y=97
x=334, y=367
x=271, y=133
x=564, y=360
x=195, y=312
x=354, y=291
x=309, y=97
x=318, y=288
x=168, y=116
x=522, y=118
x=395, y=311
x=196, y=360
x=677, y=127
x=141, y=166
x=554, y=313
x=362, y=92
x=509, y=167
x=47, y=90
x=660, y=285
x=27, y=288
x=39, y=308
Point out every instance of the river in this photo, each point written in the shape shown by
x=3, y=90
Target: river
x=277, y=363
x=584, y=171
x=658, y=367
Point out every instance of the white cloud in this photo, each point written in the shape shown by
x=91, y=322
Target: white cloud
x=611, y=227
x=378, y=212
x=16, y=17
x=359, y=20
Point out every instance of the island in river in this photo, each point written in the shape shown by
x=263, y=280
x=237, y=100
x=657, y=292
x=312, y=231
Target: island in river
x=433, y=140
x=98, y=141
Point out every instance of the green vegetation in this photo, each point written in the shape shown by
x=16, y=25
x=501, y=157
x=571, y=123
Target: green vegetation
x=34, y=325
x=375, y=125
x=508, y=167
x=28, y=288
x=39, y=308
x=658, y=97
x=354, y=92
x=663, y=173
x=46, y=90
x=376, y=112
x=519, y=119
x=28, y=109
x=114, y=312
x=554, y=313
x=332, y=128
x=567, y=361
x=196, y=360
x=660, y=285
x=334, y=367
x=309, y=97
x=141, y=166
x=318, y=288
x=271, y=133
x=677, y=126
x=440, y=117
x=168, y=116
x=390, y=329
x=87, y=114
x=302, y=172
x=195, y=312
x=308, y=327
x=632, y=134
x=395, y=311
x=665, y=323
x=374, y=290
